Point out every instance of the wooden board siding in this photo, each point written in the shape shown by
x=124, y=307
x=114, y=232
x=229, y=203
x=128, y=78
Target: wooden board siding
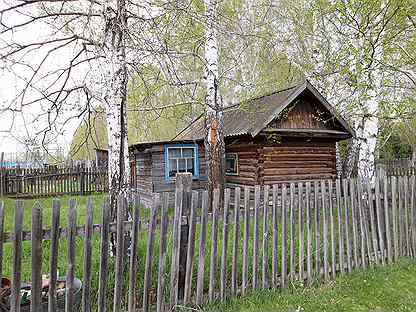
x=143, y=183
x=262, y=162
x=297, y=161
x=305, y=113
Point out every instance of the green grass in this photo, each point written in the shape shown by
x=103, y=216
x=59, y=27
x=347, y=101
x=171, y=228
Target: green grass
x=389, y=288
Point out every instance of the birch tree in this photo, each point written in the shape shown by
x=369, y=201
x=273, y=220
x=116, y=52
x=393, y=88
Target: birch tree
x=214, y=124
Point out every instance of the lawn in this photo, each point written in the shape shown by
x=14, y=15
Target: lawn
x=389, y=288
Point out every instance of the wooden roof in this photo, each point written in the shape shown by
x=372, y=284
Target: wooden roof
x=252, y=116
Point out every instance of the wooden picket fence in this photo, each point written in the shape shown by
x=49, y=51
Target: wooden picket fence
x=52, y=181
x=265, y=238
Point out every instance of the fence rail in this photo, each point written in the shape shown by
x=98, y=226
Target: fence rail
x=186, y=255
x=52, y=181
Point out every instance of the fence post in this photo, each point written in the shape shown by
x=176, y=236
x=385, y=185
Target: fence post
x=184, y=180
x=1, y=175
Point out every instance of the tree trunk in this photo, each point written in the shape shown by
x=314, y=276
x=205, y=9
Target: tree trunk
x=214, y=135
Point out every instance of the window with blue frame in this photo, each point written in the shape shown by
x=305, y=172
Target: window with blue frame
x=181, y=158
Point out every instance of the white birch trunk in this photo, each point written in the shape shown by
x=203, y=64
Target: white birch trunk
x=116, y=102
x=214, y=139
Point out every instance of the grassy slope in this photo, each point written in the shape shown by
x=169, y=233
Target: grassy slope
x=390, y=288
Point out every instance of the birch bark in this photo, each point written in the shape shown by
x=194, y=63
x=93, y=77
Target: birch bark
x=115, y=97
x=214, y=136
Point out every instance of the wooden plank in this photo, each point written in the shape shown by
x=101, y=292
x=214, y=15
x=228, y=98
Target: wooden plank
x=363, y=233
x=275, y=237
x=36, y=290
x=191, y=248
x=256, y=236
x=86, y=283
x=134, y=253
x=400, y=214
x=394, y=217
x=332, y=225
x=387, y=221
x=317, y=228
x=1, y=234
x=325, y=229
x=174, y=277
x=149, y=254
x=202, y=248
x=214, y=245
x=70, y=275
x=292, y=232
x=340, y=228
x=412, y=215
x=347, y=222
x=224, y=251
x=309, y=243
x=353, y=197
x=246, y=239
x=284, y=237
x=406, y=215
x=301, y=230
x=119, y=261
x=372, y=223
x=162, y=253
x=234, y=268
x=265, y=263
x=104, y=244
x=379, y=221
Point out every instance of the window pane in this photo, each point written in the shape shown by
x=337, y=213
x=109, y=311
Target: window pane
x=188, y=152
x=182, y=165
x=190, y=165
x=174, y=152
x=172, y=168
x=231, y=163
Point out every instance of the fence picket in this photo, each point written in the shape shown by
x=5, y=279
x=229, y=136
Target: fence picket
x=104, y=244
x=191, y=248
x=202, y=247
x=379, y=221
x=36, y=290
x=174, y=277
x=292, y=232
x=256, y=236
x=347, y=225
x=317, y=229
x=284, y=236
x=149, y=254
x=301, y=230
x=340, y=228
x=275, y=239
x=394, y=217
x=246, y=239
x=119, y=265
x=17, y=257
x=406, y=215
x=214, y=246
x=325, y=230
x=1, y=234
x=162, y=253
x=309, y=230
x=224, y=251
x=265, y=280
x=72, y=227
x=134, y=255
x=332, y=225
x=86, y=287
x=353, y=198
x=234, y=268
x=372, y=222
x=387, y=221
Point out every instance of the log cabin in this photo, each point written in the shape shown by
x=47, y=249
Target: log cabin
x=285, y=136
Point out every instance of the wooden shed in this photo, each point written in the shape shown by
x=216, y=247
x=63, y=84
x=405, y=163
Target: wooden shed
x=288, y=135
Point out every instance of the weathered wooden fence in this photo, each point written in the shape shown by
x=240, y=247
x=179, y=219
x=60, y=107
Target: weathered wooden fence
x=52, y=181
x=266, y=237
x=397, y=167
